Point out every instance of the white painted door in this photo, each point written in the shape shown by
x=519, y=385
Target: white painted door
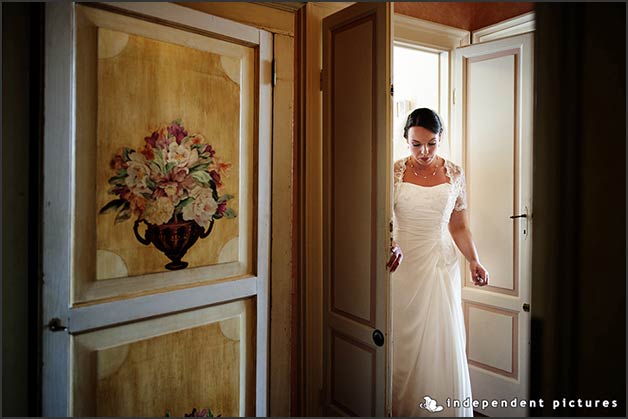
x=357, y=187
x=123, y=334
x=493, y=106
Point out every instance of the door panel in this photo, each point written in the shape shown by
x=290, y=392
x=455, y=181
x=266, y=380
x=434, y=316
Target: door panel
x=494, y=346
x=133, y=329
x=491, y=144
x=150, y=367
x=352, y=280
x=495, y=82
x=357, y=208
x=351, y=394
x=135, y=77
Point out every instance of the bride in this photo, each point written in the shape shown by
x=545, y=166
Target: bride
x=429, y=359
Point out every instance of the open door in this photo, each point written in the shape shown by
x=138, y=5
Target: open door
x=493, y=110
x=157, y=212
x=357, y=209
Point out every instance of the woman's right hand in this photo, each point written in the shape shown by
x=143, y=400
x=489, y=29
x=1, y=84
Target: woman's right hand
x=396, y=257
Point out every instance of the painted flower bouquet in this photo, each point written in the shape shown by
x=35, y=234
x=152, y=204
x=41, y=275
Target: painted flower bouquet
x=205, y=413
x=171, y=184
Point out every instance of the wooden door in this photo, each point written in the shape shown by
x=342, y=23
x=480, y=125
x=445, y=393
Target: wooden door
x=357, y=179
x=494, y=108
x=157, y=133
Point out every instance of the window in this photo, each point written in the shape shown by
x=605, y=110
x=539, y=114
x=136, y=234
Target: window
x=421, y=80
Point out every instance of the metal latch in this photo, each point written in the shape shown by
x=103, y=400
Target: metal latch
x=55, y=325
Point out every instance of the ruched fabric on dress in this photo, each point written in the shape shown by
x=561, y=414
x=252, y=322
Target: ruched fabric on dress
x=429, y=357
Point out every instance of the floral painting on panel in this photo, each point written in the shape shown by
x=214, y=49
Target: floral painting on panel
x=168, y=152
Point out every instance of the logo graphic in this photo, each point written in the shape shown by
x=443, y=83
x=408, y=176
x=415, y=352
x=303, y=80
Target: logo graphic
x=430, y=405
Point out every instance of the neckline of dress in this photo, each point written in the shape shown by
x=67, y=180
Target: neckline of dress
x=405, y=167
x=428, y=187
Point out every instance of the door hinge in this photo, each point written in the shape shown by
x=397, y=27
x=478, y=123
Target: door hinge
x=453, y=97
x=274, y=73
x=392, y=90
x=320, y=80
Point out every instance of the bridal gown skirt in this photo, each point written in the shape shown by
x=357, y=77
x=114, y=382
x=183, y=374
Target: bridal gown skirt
x=429, y=358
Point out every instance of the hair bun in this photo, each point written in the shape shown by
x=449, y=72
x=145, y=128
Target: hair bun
x=425, y=118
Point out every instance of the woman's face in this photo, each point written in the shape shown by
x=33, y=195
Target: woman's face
x=423, y=145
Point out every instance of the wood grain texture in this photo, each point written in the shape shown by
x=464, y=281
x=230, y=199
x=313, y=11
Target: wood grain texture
x=135, y=75
x=282, y=235
x=143, y=84
x=131, y=72
x=281, y=23
x=202, y=358
x=192, y=368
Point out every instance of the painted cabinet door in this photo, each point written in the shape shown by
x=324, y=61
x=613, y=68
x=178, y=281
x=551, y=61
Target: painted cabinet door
x=495, y=110
x=357, y=209
x=157, y=212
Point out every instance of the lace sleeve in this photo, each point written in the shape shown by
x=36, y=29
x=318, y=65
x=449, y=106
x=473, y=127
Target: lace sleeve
x=461, y=186
x=398, y=176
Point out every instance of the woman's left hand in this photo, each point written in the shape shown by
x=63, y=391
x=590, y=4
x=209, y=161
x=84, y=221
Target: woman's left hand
x=479, y=275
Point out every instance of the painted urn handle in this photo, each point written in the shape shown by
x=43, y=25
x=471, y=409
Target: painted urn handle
x=137, y=233
x=209, y=230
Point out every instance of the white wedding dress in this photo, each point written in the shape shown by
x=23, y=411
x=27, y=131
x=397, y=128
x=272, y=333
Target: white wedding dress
x=429, y=358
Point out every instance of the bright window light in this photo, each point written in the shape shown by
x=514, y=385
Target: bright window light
x=419, y=83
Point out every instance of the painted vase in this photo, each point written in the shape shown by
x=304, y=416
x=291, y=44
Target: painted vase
x=173, y=238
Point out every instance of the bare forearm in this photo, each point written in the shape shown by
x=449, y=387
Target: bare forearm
x=463, y=239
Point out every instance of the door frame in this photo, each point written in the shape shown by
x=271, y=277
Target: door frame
x=517, y=25
x=310, y=201
x=59, y=212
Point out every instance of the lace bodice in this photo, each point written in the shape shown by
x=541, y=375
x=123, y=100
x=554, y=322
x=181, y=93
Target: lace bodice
x=453, y=172
x=422, y=214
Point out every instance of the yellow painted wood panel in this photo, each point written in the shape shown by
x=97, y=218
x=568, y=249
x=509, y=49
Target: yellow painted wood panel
x=198, y=358
x=282, y=218
x=142, y=85
x=197, y=367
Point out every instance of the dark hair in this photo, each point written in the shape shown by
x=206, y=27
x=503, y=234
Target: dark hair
x=423, y=117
